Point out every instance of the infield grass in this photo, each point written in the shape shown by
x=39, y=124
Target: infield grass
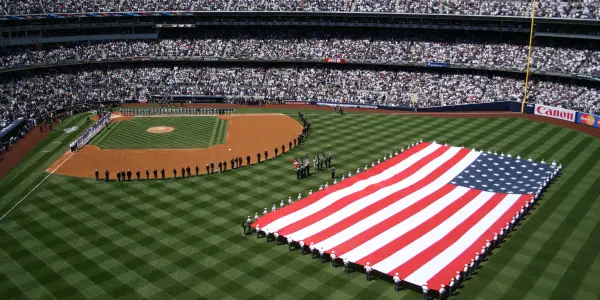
x=76, y=238
x=189, y=132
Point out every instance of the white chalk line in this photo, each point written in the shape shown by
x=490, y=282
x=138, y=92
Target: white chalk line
x=56, y=144
x=11, y=209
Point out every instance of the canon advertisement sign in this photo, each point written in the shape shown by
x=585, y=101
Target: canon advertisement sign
x=555, y=112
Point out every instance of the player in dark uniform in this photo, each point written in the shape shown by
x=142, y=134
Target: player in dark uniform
x=162, y=173
x=106, y=175
x=232, y=164
x=123, y=175
x=118, y=176
x=239, y=159
x=207, y=169
x=276, y=151
x=174, y=173
x=282, y=148
x=189, y=171
x=258, y=156
x=248, y=160
x=220, y=167
x=97, y=174
x=128, y=175
x=212, y=167
x=182, y=172
x=266, y=154
x=155, y=172
x=224, y=166
x=290, y=144
x=147, y=174
x=137, y=174
x=298, y=172
x=198, y=169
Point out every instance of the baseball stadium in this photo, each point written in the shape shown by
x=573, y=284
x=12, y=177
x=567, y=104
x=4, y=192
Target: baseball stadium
x=333, y=149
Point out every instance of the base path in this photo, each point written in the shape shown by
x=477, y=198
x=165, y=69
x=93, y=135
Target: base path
x=246, y=135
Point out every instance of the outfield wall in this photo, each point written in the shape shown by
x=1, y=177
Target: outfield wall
x=492, y=106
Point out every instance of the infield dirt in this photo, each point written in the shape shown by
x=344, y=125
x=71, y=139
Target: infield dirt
x=246, y=135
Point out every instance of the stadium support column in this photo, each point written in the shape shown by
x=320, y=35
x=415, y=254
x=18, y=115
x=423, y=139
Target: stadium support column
x=525, y=90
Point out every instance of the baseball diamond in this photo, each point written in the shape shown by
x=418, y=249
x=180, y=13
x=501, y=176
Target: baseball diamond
x=126, y=146
x=66, y=235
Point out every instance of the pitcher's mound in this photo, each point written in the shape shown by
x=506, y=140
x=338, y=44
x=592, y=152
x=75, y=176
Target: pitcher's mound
x=160, y=129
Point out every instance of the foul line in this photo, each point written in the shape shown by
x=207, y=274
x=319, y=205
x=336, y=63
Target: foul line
x=2, y=218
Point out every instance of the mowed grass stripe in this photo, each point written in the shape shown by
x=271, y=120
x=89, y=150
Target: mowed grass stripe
x=222, y=132
x=189, y=132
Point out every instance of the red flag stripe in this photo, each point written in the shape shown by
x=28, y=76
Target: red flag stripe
x=444, y=276
x=383, y=203
x=378, y=169
x=382, y=226
x=417, y=261
x=356, y=196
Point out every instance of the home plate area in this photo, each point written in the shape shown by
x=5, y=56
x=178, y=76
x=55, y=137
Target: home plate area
x=430, y=213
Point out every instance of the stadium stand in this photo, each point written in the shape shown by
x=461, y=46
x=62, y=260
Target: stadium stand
x=48, y=91
x=578, y=9
x=559, y=57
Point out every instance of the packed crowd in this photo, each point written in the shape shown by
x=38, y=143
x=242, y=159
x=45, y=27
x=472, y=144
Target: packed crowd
x=579, y=9
x=48, y=91
x=38, y=95
x=557, y=58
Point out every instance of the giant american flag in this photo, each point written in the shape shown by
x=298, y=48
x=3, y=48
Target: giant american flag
x=422, y=214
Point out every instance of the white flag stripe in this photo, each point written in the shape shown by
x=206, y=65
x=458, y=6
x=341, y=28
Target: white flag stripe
x=356, y=187
x=398, y=206
x=364, y=202
x=435, y=265
x=425, y=241
x=391, y=234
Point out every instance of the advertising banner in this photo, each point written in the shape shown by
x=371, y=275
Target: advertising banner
x=296, y=102
x=555, y=112
x=332, y=104
x=335, y=60
x=588, y=119
x=438, y=64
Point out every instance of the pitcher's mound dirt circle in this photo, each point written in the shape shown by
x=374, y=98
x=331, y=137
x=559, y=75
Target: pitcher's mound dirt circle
x=160, y=129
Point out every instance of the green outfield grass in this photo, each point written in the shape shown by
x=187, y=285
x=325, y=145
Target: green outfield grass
x=190, y=132
x=77, y=238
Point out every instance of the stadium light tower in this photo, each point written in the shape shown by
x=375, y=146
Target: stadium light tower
x=525, y=90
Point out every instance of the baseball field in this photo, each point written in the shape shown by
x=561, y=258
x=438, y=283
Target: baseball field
x=66, y=237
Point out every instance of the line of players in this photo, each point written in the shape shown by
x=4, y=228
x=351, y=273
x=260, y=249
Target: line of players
x=211, y=168
x=170, y=111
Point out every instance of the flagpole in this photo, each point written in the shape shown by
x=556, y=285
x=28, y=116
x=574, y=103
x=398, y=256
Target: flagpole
x=528, y=57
